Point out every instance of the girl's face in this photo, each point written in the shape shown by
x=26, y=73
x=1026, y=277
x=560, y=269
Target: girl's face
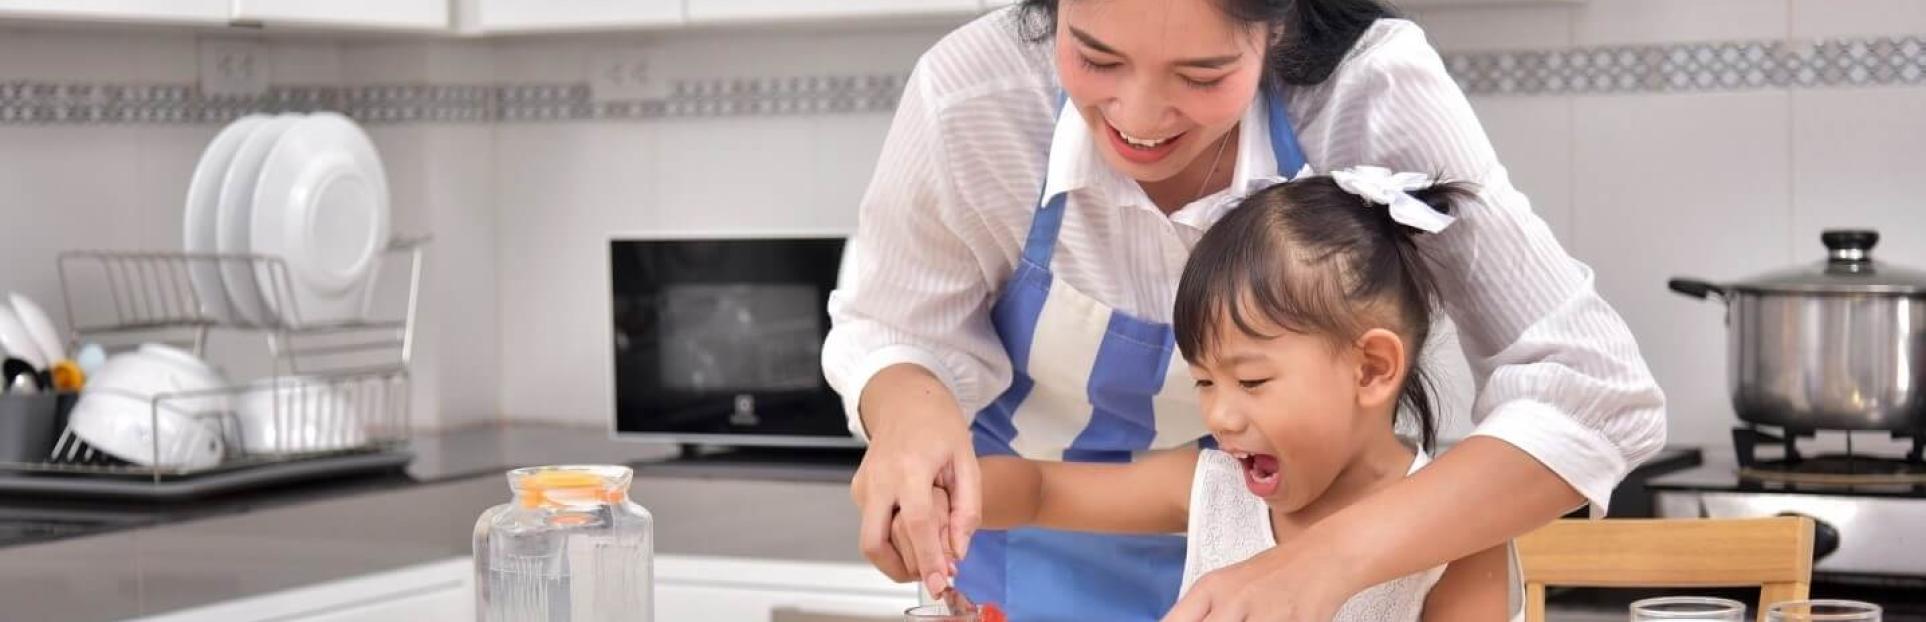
x=1158, y=81
x=1293, y=409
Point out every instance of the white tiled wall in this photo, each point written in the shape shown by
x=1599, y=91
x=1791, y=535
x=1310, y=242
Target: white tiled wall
x=1723, y=185
x=564, y=189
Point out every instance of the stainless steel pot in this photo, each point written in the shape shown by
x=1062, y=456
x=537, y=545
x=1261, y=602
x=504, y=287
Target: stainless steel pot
x=1837, y=345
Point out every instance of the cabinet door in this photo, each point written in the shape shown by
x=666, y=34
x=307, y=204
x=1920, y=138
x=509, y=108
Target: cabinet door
x=423, y=15
x=130, y=11
x=493, y=16
x=714, y=11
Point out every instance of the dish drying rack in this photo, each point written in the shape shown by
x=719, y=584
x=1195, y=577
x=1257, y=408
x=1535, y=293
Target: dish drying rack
x=336, y=393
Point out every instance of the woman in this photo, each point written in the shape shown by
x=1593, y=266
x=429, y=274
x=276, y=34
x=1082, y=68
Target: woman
x=1049, y=167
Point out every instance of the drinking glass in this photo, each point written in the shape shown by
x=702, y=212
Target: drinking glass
x=1823, y=611
x=1680, y=608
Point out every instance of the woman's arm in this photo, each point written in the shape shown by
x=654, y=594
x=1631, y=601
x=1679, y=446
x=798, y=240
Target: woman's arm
x=1473, y=589
x=1151, y=495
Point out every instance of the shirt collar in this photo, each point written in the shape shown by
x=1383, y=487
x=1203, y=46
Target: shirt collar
x=1075, y=164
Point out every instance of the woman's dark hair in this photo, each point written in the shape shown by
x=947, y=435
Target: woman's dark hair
x=1314, y=34
x=1311, y=258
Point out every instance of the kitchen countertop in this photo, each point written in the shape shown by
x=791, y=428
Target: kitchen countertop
x=145, y=558
x=132, y=559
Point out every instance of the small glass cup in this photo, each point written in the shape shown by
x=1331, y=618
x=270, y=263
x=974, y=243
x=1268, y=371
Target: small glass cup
x=1680, y=608
x=1823, y=611
x=937, y=613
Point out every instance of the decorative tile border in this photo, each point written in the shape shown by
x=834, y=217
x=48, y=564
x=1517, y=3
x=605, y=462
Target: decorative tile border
x=47, y=103
x=1690, y=67
x=1687, y=67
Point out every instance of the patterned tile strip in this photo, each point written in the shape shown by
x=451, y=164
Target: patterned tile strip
x=1688, y=67
x=1691, y=67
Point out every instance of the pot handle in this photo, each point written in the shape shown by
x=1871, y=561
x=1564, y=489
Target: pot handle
x=1696, y=288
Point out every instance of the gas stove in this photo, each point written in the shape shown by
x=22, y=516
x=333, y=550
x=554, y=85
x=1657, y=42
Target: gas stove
x=1869, y=503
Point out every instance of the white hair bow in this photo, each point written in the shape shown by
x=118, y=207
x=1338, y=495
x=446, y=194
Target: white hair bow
x=1381, y=186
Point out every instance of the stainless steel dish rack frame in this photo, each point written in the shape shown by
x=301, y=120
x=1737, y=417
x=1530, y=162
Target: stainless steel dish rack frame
x=337, y=392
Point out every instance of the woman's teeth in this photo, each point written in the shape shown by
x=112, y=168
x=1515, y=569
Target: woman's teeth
x=1142, y=142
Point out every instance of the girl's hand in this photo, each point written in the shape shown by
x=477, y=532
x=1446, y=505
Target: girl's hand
x=906, y=554
x=1294, y=582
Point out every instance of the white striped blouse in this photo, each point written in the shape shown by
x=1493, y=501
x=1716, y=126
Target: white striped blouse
x=944, y=219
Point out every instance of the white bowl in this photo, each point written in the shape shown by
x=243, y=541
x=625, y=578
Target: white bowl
x=297, y=414
x=118, y=413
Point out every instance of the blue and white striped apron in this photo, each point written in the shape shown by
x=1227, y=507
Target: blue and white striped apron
x=1091, y=384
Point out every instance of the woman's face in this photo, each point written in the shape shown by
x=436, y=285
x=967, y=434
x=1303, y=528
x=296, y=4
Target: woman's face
x=1158, y=81
x=1286, y=407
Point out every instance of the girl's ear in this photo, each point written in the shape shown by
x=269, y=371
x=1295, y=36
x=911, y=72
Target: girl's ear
x=1381, y=368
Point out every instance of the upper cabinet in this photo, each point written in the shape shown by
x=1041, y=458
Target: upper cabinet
x=418, y=15
x=727, y=11
x=509, y=16
x=126, y=11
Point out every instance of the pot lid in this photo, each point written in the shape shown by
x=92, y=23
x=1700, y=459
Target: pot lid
x=1849, y=268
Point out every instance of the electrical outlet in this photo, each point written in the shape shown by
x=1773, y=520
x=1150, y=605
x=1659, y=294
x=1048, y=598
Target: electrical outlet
x=623, y=73
x=233, y=68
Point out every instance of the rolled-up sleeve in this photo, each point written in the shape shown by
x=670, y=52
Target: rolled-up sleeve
x=914, y=291
x=1559, y=373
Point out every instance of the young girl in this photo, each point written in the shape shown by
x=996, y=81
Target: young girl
x=1302, y=314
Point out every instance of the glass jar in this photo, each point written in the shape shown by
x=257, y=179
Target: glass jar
x=570, y=547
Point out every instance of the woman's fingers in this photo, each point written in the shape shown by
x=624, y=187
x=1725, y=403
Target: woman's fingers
x=966, y=501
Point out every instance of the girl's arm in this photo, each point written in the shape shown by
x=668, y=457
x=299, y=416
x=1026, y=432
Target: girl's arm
x=1151, y=495
x=1473, y=589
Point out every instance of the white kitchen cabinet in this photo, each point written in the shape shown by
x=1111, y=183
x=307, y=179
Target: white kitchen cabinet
x=416, y=15
x=441, y=590
x=730, y=11
x=710, y=589
x=760, y=590
x=512, y=16
x=126, y=11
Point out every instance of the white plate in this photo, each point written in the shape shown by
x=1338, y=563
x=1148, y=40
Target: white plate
x=232, y=221
x=322, y=204
x=198, y=230
x=17, y=341
x=40, y=327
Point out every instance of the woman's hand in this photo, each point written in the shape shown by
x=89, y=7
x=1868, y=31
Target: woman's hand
x=919, y=448
x=1298, y=581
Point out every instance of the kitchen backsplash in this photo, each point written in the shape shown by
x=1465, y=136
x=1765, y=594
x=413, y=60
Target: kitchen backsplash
x=1656, y=141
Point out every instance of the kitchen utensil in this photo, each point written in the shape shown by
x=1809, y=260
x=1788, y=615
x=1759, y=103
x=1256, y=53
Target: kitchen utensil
x=1680, y=608
x=322, y=205
x=66, y=376
x=1829, y=610
x=38, y=326
x=199, y=226
x=297, y=414
x=28, y=427
x=234, y=220
x=1840, y=344
x=571, y=547
x=15, y=370
x=120, y=415
x=17, y=341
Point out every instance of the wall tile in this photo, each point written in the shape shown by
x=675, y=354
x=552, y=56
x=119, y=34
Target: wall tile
x=1855, y=155
x=1681, y=185
x=1533, y=136
x=1620, y=22
x=1818, y=19
x=1496, y=28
